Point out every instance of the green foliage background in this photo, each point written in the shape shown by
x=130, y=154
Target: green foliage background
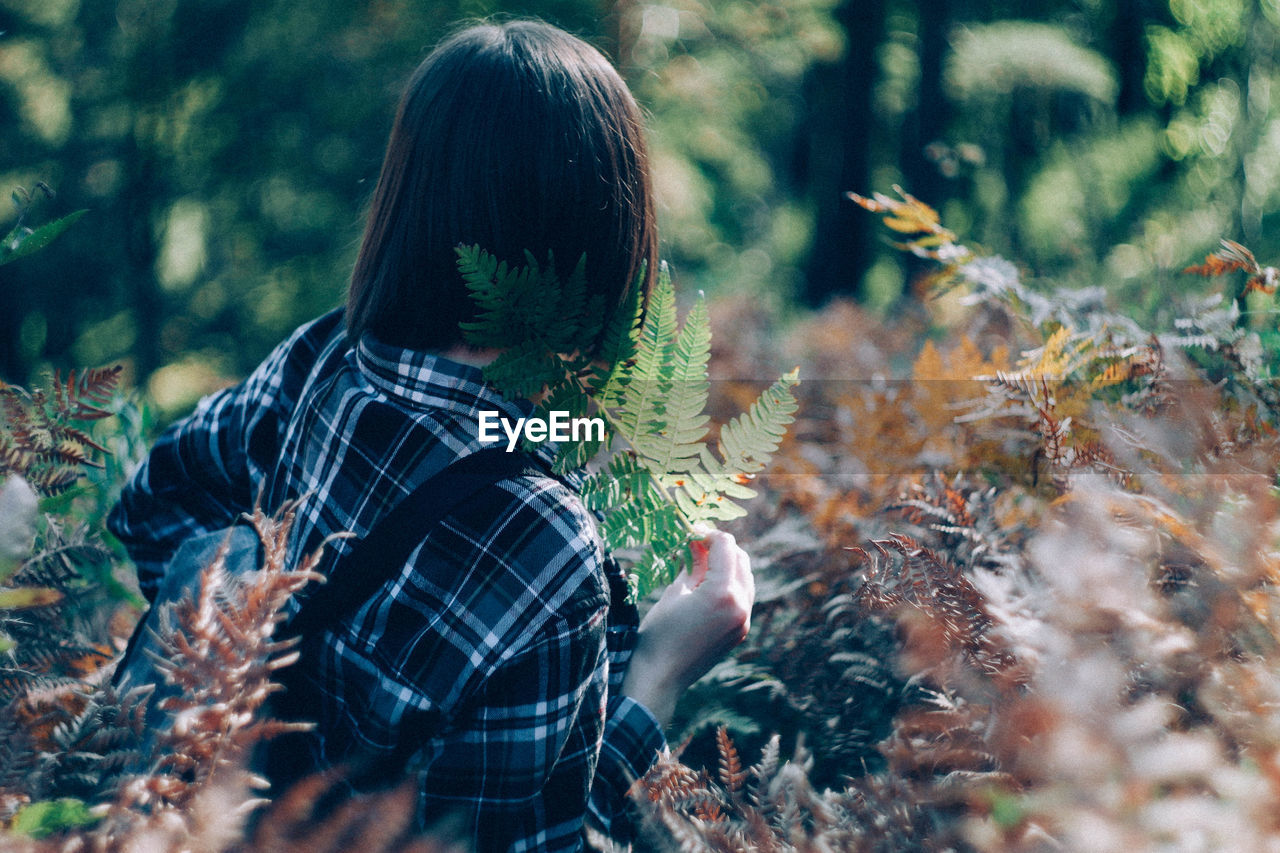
x=224, y=150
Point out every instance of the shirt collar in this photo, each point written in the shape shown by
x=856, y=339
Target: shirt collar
x=429, y=381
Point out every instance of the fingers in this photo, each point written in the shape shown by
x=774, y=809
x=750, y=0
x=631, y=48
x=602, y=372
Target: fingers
x=720, y=552
x=727, y=561
x=729, y=575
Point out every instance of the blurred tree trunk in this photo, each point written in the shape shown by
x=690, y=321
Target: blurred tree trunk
x=141, y=210
x=927, y=125
x=924, y=148
x=620, y=23
x=1128, y=50
x=924, y=142
x=844, y=117
x=150, y=79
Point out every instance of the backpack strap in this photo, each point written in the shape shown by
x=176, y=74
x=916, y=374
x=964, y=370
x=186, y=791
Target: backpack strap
x=386, y=547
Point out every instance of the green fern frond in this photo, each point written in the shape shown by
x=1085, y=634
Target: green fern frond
x=644, y=523
x=494, y=289
x=645, y=375
x=665, y=558
x=585, y=313
x=569, y=396
x=521, y=370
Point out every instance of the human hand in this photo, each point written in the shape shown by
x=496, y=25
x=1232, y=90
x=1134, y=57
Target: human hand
x=697, y=621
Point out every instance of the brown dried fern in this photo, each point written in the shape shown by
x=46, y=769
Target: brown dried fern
x=220, y=652
x=964, y=521
x=774, y=809
x=372, y=823
x=905, y=579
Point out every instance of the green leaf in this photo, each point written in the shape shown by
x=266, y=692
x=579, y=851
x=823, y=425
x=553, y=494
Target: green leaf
x=583, y=314
x=675, y=448
x=499, y=292
x=641, y=522
x=44, y=818
x=19, y=242
x=659, y=565
x=520, y=371
x=571, y=397
x=747, y=442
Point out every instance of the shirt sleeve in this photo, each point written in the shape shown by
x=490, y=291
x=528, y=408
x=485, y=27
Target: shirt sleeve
x=206, y=469
x=632, y=741
x=633, y=737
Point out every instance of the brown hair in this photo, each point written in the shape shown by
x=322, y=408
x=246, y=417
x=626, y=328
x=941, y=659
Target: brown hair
x=513, y=136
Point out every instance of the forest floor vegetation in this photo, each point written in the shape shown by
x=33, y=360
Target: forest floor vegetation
x=1018, y=574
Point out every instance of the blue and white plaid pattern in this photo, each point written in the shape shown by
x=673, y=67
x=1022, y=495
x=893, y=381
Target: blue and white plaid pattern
x=495, y=656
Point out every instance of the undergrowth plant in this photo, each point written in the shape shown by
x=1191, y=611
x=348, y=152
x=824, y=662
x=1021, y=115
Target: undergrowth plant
x=80, y=771
x=22, y=239
x=41, y=435
x=45, y=447
x=47, y=561
x=647, y=381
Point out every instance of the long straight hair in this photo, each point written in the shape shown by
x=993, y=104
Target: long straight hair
x=513, y=136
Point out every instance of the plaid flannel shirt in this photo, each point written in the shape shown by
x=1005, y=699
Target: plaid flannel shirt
x=495, y=655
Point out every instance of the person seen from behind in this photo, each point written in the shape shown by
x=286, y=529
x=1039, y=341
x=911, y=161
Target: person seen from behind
x=501, y=667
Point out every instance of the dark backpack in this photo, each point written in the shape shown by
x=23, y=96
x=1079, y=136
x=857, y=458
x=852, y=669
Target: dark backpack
x=352, y=581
